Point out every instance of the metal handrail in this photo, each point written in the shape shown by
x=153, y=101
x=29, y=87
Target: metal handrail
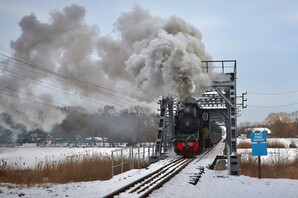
x=223, y=65
x=150, y=150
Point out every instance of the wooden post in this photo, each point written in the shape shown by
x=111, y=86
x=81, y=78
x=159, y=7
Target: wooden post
x=138, y=157
x=112, y=163
x=259, y=167
x=130, y=158
x=121, y=160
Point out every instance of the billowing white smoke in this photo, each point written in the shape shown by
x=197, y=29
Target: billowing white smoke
x=162, y=55
x=63, y=45
x=153, y=56
x=169, y=65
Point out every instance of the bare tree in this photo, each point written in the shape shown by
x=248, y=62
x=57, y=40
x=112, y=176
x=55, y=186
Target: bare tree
x=92, y=127
x=281, y=125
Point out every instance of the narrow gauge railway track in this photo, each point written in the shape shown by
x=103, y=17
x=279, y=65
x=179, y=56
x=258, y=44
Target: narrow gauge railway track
x=147, y=184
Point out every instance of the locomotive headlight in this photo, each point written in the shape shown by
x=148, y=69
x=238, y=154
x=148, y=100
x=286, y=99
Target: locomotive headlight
x=187, y=124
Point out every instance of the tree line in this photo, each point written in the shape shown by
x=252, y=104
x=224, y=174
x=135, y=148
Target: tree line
x=133, y=125
x=281, y=125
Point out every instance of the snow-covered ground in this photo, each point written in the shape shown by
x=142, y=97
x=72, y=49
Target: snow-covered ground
x=212, y=184
x=33, y=156
x=215, y=184
x=285, y=141
x=30, y=157
x=274, y=154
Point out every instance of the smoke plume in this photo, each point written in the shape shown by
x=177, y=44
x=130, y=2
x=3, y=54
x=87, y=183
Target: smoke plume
x=152, y=56
x=161, y=56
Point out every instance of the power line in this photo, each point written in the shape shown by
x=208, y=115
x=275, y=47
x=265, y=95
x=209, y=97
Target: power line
x=83, y=86
x=115, y=119
x=273, y=106
x=40, y=83
x=73, y=80
x=32, y=95
x=280, y=93
x=24, y=59
x=94, y=91
x=100, y=117
x=28, y=100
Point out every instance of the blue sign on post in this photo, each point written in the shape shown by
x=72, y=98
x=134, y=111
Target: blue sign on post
x=259, y=145
x=259, y=149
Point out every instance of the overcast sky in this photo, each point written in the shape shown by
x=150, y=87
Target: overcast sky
x=261, y=35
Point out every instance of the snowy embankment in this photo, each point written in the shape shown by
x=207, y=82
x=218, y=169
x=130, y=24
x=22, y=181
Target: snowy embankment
x=213, y=184
x=285, y=141
x=274, y=154
x=31, y=157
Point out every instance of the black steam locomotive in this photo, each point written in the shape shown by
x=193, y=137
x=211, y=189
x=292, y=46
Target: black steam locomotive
x=193, y=130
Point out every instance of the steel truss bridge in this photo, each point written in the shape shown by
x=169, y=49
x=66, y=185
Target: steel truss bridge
x=221, y=101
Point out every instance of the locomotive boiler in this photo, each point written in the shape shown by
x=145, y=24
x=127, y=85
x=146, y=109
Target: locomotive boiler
x=193, y=130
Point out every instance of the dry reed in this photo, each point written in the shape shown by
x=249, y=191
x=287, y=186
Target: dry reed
x=244, y=145
x=72, y=169
x=277, y=168
x=272, y=143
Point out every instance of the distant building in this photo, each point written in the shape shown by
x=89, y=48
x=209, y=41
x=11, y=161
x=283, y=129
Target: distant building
x=93, y=140
x=261, y=130
x=35, y=136
x=248, y=131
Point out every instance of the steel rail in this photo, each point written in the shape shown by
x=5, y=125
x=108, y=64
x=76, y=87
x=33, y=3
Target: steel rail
x=153, y=177
x=126, y=187
x=159, y=176
x=148, y=183
x=166, y=179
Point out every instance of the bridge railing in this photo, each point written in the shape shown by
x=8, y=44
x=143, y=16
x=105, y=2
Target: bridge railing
x=127, y=158
x=219, y=66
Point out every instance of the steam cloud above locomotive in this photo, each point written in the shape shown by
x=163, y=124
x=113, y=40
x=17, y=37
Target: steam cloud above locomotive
x=168, y=60
x=154, y=56
x=159, y=56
